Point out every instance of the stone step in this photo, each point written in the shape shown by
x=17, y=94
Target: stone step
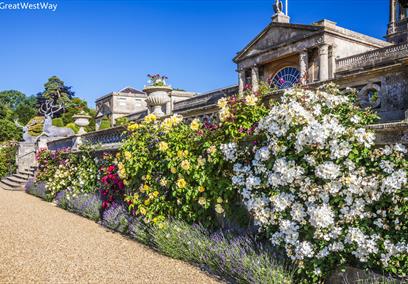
x=6, y=186
x=30, y=174
x=11, y=183
x=17, y=179
x=22, y=176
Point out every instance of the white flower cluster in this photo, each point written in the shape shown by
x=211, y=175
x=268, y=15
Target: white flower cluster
x=229, y=151
x=309, y=187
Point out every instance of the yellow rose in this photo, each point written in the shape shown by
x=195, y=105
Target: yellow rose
x=128, y=155
x=224, y=114
x=212, y=150
x=251, y=100
x=180, y=154
x=144, y=188
x=200, y=161
x=219, y=200
x=147, y=202
x=181, y=183
x=150, y=118
x=185, y=165
x=173, y=170
x=142, y=210
x=195, y=125
x=163, y=182
x=156, y=193
x=163, y=146
x=222, y=103
x=133, y=127
x=202, y=201
x=201, y=189
x=219, y=209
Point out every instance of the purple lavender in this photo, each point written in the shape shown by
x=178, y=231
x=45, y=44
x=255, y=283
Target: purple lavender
x=37, y=189
x=116, y=217
x=87, y=205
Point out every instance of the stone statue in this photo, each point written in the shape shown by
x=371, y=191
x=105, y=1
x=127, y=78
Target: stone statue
x=278, y=7
x=49, y=109
x=26, y=136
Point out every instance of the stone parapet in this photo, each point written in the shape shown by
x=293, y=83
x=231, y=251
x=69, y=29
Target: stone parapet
x=375, y=58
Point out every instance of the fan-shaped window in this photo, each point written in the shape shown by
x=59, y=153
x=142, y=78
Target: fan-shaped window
x=286, y=78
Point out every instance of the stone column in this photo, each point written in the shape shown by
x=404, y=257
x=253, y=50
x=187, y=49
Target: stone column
x=255, y=78
x=324, y=62
x=241, y=80
x=303, y=66
x=393, y=5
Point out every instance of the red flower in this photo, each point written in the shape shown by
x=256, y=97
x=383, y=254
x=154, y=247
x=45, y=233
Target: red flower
x=105, y=204
x=111, y=168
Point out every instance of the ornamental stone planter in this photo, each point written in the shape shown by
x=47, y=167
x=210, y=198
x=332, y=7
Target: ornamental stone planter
x=157, y=97
x=81, y=120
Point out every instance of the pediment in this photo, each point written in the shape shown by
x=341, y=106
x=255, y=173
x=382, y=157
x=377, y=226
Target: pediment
x=274, y=35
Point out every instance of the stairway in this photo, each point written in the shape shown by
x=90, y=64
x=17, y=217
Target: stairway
x=16, y=182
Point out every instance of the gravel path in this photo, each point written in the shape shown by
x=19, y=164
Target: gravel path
x=41, y=243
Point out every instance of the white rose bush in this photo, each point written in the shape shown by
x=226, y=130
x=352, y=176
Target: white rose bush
x=318, y=188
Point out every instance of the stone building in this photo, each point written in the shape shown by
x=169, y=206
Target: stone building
x=128, y=101
x=286, y=54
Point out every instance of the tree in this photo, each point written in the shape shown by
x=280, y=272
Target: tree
x=56, y=90
x=26, y=110
x=9, y=131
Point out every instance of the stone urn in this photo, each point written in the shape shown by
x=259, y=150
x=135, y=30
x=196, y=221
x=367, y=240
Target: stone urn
x=81, y=120
x=157, y=97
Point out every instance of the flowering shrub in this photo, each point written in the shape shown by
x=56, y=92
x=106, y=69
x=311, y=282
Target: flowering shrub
x=7, y=159
x=168, y=165
x=110, y=185
x=317, y=187
x=49, y=162
x=175, y=169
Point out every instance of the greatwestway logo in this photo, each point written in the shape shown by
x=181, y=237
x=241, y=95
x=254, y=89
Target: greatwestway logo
x=29, y=6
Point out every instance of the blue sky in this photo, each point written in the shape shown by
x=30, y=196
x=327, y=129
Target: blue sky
x=101, y=46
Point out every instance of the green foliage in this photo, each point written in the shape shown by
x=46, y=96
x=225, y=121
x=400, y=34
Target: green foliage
x=26, y=110
x=77, y=106
x=73, y=126
x=14, y=105
x=122, y=121
x=9, y=131
x=58, y=122
x=36, y=125
x=7, y=159
x=105, y=123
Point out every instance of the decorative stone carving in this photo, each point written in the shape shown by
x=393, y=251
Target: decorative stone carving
x=157, y=97
x=158, y=94
x=26, y=136
x=82, y=120
x=49, y=109
x=370, y=96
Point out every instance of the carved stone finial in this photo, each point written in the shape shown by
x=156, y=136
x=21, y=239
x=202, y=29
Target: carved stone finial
x=280, y=16
x=278, y=7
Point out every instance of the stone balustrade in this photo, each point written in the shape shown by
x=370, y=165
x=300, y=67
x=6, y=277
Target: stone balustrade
x=107, y=139
x=373, y=58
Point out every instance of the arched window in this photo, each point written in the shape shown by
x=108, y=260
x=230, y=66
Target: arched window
x=286, y=78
